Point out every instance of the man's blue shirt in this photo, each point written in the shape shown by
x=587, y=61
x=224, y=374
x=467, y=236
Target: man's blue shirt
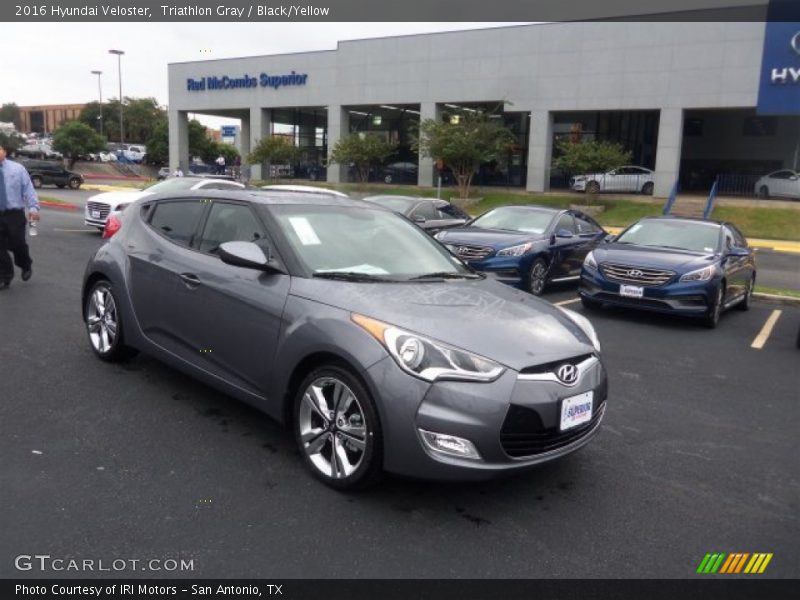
x=19, y=189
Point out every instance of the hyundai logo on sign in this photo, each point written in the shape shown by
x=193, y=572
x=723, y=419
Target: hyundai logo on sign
x=779, y=88
x=246, y=81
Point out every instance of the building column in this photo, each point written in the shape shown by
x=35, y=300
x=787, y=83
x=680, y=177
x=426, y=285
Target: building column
x=668, y=151
x=258, y=126
x=179, y=140
x=540, y=151
x=338, y=127
x=425, y=173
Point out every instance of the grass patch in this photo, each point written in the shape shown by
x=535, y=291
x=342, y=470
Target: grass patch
x=777, y=291
x=768, y=223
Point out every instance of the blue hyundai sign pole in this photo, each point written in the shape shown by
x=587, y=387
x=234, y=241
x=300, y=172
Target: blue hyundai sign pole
x=712, y=196
x=671, y=200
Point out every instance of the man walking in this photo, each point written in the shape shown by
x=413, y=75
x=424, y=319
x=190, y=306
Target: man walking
x=16, y=194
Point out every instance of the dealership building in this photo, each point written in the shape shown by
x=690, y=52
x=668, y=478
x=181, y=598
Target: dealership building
x=693, y=101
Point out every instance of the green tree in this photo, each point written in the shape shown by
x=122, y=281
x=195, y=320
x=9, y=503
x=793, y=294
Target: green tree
x=589, y=156
x=228, y=152
x=361, y=150
x=9, y=113
x=158, y=145
x=141, y=116
x=274, y=149
x=11, y=142
x=73, y=138
x=463, y=143
x=199, y=141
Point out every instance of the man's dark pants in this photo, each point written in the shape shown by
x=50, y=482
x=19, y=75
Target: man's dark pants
x=12, y=239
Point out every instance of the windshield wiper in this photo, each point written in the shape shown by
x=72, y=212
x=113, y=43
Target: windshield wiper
x=446, y=275
x=352, y=276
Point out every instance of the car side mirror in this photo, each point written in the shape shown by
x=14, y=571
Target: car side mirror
x=244, y=254
x=564, y=233
x=738, y=251
x=419, y=219
x=609, y=238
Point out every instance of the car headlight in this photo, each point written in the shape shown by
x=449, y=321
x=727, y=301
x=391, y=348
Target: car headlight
x=439, y=236
x=703, y=274
x=515, y=250
x=589, y=262
x=427, y=359
x=585, y=325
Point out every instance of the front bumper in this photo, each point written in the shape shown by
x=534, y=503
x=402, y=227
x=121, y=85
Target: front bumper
x=510, y=270
x=690, y=298
x=482, y=413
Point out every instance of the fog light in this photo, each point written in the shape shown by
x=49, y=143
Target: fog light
x=450, y=445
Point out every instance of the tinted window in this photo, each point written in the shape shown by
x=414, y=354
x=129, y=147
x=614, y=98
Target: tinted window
x=229, y=223
x=426, y=210
x=565, y=222
x=740, y=240
x=585, y=225
x=177, y=220
x=448, y=211
x=728, y=238
x=396, y=203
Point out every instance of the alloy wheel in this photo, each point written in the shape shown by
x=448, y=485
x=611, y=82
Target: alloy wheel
x=101, y=320
x=333, y=430
x=537, y=277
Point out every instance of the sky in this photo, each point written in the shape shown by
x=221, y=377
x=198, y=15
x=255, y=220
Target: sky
x=50, y=63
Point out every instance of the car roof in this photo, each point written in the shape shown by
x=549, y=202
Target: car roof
x=263, y=197
x=304, y=189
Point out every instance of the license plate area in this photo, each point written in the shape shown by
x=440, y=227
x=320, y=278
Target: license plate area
x=576, y=410
x=631, y=291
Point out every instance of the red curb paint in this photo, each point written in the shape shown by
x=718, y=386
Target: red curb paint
x=58, y=205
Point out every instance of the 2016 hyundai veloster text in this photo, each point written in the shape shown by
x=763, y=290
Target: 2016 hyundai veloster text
x=381, y=350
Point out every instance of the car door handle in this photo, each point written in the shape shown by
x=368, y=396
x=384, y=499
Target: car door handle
x=190, y=279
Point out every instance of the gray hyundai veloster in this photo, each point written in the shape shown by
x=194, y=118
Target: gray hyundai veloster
x=345, y=321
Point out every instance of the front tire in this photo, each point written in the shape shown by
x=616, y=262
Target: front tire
x=387, y=179
x=715, y=310
x=104, y=324
x=36, y=181
x=537, y=277
x=337, y=429
x=592, y=187
x=74, y=183
x=763, y=192
x=647, y=188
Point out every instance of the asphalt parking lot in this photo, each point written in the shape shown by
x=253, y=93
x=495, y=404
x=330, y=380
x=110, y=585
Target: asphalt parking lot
x=697, y=454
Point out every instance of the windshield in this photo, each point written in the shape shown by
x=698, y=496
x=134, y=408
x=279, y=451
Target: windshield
x=515, y=218
x=175, y=184
x=396, y=203
x=685, y=235
x=370, y=242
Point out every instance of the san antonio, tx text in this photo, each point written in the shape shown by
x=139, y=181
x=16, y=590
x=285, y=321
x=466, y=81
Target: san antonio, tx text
x=161, y=590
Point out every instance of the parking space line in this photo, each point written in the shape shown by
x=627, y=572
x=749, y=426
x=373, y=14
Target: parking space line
x=762, y=336
x=563, y=302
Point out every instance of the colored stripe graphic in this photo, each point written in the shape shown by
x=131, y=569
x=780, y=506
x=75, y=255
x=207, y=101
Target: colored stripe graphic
x=741, y=562
x=727, y=564
x=734, y=563
x=703, y=563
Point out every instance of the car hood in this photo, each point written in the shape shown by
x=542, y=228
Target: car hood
x=656, y=258
x=482, y=316
x=114, y=199
x=496, y=238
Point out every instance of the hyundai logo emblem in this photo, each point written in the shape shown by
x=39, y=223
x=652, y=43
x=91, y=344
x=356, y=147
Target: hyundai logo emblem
x=635, y=273
x=795, y=43
x=567, y=373
x=463, y=249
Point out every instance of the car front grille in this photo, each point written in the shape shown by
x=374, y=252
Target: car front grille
x=524, y=435
x=98, y=206
x=637, y=275
x=469, y=252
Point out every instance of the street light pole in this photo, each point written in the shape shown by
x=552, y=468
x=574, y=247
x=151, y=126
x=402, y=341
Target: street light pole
x=119, y=54
x=100, y=90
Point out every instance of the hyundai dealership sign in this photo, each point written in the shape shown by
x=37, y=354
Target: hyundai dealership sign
x=779, y=88
x=245, y=81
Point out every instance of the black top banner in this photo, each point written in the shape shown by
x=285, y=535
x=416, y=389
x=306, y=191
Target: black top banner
x=407, y=10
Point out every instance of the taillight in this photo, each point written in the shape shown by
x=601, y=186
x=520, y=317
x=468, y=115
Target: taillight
x=113, y=225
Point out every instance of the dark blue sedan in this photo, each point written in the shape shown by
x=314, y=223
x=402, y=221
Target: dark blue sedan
x=526, y=246
x=690, y=267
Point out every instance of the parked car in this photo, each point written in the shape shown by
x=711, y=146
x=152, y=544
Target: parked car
x=134, y=153
x=308, y=190
x=429, y=213
x=526, y=246
x=39, y=150
x=629, y=179
x=683, y=266
x=377, y=347
x=163, y=173
x=100, y=205
x=781, y=184
x=43, y=172
x=400, y=172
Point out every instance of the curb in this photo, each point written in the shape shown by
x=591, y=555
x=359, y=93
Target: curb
x=99, y=187
x=114, y=177
x=58, y=205
x=776, y=298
